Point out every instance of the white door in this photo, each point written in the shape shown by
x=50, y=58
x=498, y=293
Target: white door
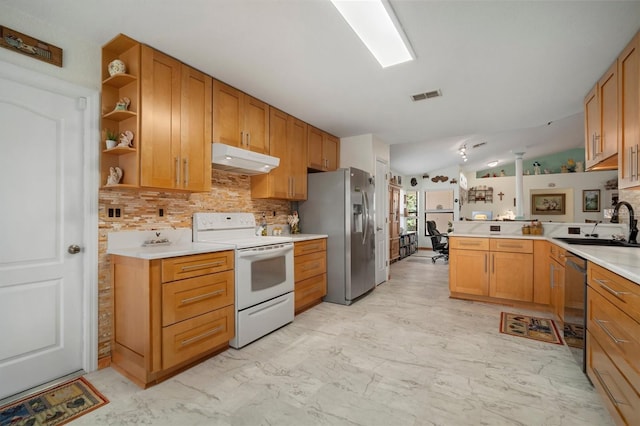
x=42, y=216
x=381, y=215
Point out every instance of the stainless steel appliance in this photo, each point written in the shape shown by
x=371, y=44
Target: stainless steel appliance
x=264, y=298
x=574, y=309
x=339, y=204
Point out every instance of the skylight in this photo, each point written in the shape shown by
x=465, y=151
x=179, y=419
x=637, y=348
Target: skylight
x=377, y=26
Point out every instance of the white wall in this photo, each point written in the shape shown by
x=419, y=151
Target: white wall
x=361, y=152
x=81, y=59
x=571, y=183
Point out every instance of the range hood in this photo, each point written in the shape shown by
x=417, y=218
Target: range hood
x=241, y=161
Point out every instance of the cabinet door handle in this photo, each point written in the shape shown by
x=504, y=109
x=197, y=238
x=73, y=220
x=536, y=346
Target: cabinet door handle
x=248, y=140
x=201, y=266
x=609, y=289
x=241, y=138
x=551, y=267
x=186, y=172
x=486, y=263
x=177, y=160
x=613, y=399
x=604, y=328
x=200, y=297
x=493, y=263
x=201, y=336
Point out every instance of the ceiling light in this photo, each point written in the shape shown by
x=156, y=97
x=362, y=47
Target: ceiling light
x=492, y=163
x=377, y=26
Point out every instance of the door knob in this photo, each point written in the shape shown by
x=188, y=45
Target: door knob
x=378, y=228
x=74, y=249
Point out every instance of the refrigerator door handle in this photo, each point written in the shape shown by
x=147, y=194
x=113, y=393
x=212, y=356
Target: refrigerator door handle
x=365, y=217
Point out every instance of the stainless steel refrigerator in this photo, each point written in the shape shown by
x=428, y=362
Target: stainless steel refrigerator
x=340, y=205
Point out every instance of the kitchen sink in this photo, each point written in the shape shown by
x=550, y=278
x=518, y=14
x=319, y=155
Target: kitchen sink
x=597, y=242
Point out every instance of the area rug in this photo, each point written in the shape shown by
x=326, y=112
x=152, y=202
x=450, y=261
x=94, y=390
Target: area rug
x=574, y=335
x=542, y=329
x=56, y=406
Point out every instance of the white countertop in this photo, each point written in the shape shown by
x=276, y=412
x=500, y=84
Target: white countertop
x=130, y=243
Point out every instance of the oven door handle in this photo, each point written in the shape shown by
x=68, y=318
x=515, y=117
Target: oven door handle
x=264, y=254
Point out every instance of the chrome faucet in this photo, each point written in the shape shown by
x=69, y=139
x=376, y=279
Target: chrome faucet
x=633, y=223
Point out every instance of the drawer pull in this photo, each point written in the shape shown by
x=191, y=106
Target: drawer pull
x=308, y=292
x=606, y=389
x=518, y=246
x=200, y=297
x=609, y=289
x=202, y=265
x=602, y=323
x=468, y=243
x=310, y=248
x=201, y=336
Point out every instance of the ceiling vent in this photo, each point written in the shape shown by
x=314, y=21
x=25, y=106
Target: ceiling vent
x=426, y=95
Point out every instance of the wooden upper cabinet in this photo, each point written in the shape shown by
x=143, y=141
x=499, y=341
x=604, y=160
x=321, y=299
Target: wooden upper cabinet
x=239, y=119
x=195, y=130
x=287, y=141
x=175, y=125
x=629, y=114
x=160, y=124
x=601, y=122
x=322, y=150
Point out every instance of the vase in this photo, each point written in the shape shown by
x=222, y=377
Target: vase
x=111, y=143
x=295, y=229
x=117, y=67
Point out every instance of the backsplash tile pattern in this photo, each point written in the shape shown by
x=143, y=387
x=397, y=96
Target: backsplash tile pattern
x=229, y=192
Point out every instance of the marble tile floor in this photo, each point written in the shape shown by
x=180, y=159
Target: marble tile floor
x=405, y=354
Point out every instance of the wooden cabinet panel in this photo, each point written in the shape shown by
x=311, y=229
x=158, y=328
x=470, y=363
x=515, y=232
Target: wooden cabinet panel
x=468, y=243
x=310, y=290
x=310, y=273
x=184, y=299
x=469, y=272
x=557, y=289
x=309, y=265
x=511, y=276
x=601, y=122
x=239, y=119
x=297, y=153
x=177, y=268
x=310, y=246
x=195, y=130
x=323, y=150
x=541, y=272
x=160, y=121
x=511, y=245
x=187, y=339
x=629, y=114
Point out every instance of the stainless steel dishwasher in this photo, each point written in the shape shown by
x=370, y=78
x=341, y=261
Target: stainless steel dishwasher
x=574, y=309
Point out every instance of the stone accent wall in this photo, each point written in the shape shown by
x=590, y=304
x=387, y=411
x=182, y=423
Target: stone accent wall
x=230, y=193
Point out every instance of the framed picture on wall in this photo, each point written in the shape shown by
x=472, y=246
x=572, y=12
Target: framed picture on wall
x=591, y=200
x=548, y=204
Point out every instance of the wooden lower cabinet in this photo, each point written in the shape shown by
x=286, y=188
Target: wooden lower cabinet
x=310, y=272
x=500, y=268
x=613, y=342
x=170, y=313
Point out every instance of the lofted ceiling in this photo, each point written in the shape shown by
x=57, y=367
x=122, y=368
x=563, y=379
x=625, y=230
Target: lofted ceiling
x=512, y=74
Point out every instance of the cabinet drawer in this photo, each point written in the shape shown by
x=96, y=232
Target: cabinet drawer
x=310, y=290
x=557, y=253
x=469, y=243
x=511, y=245
x=617, y=333
x=195, y=296
x=309, y=265
x=618, y=290
x=310, y=246
x=193, y=337
x=618, y=395
x=177, y=268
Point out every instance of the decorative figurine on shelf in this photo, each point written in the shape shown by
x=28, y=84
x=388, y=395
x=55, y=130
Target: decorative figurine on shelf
x=536, y=168
x=117, y=67
x=126, y=139
x=579, y=166
x=123, y=104
x=293, y=220
x=115, y=174
x=571, y=165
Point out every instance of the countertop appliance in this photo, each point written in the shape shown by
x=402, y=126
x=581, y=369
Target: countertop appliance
x=339, y=204
x=264, y=282
x=575, y=309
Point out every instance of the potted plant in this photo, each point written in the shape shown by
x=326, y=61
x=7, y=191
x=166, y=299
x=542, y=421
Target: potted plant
x=112, y=139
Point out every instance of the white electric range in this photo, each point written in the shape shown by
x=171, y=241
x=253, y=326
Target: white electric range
x=264, y=282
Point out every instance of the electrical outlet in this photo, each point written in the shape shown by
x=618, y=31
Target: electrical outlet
x=114, y=212
x=161, y=212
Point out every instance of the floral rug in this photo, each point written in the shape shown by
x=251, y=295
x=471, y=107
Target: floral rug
x=55, y=406
x=542, y=329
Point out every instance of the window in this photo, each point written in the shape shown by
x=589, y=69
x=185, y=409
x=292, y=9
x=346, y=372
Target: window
x=410, y=212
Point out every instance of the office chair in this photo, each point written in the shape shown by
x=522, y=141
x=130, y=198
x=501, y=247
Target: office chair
x=439, y=242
